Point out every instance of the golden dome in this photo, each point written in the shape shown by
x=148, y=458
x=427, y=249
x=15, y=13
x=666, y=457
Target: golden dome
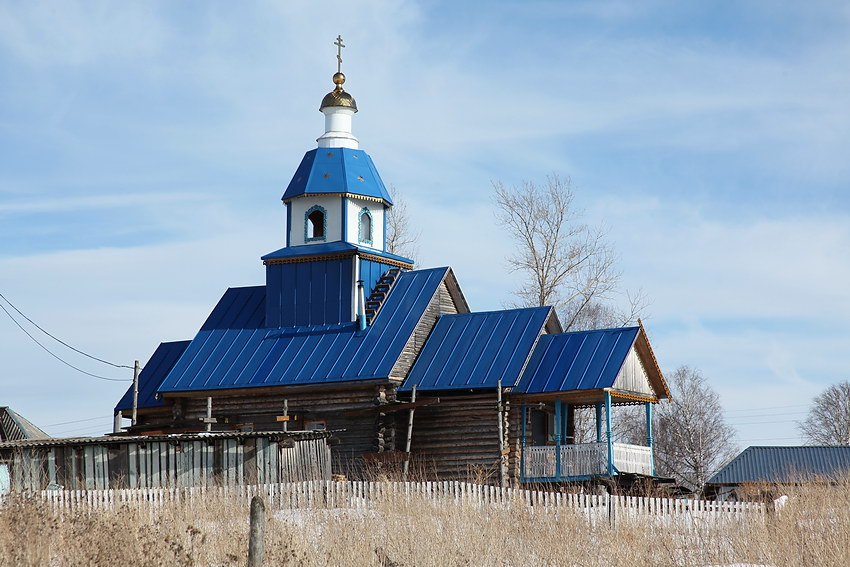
x=338, y=97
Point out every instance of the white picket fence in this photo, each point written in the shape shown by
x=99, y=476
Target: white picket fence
x=355, y=495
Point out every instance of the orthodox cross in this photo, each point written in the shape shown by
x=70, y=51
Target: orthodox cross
x=339, y=45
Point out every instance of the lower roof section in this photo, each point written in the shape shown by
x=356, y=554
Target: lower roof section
x=201, y=436
x=581, y=360
x=233, y=350
x=476, y=350
x=154, y=372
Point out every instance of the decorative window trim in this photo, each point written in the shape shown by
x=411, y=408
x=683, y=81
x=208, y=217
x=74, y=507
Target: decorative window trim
x=360, y=237
x=307, y=224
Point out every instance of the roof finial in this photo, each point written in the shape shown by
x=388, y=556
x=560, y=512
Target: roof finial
x=338, y=96
x=339, y=45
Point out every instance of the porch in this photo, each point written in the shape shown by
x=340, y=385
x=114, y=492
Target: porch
x=553, y=455
x=583, y=461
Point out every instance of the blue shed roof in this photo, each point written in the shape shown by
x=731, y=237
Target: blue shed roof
x=784, y=464
x=337, y=170
x=580, y=360
x=233, y=350
x=331, y=248
x=475, y=350
x=154, y=372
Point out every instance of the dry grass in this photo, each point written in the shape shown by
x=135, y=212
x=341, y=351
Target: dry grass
x=812, y=529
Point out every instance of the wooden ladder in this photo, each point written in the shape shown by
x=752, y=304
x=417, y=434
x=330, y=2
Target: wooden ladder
x=379, y=294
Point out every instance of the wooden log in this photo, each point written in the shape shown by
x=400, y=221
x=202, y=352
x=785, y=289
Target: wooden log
x=256, y=534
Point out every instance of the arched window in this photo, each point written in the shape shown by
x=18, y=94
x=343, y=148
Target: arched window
x=364, y=233
x=315, y=223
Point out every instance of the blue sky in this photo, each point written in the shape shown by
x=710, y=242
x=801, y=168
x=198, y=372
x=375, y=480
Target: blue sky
x=144, y=148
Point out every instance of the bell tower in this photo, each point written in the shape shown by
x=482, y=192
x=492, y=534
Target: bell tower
x=336, y=206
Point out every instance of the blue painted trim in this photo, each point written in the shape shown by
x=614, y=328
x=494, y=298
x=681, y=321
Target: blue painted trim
x=344, y=237
x=522, y=443
x=599, y=422
x=307, y=214
x=559, y=416
x=608, y=433
x=649, y=436
x=360, y=236
x=288, y=225
x=386, y=209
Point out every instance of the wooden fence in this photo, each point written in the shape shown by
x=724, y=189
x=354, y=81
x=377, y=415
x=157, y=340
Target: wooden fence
x=354, y=495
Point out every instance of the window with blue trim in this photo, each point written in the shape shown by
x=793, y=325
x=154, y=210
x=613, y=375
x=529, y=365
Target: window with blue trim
x=364, y=231
x=315, y=224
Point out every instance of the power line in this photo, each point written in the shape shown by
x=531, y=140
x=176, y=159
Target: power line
x=767, y=408
x=48, y=351
x=37, y=326
x=76, y=421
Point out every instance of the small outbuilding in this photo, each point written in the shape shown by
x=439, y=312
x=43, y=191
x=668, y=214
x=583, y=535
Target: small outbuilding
x=166, y=461
x=757, y=467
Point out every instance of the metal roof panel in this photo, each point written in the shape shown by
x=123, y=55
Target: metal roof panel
x=579, y=360
x=154, y=372
x=476, y=350
x=234, y=351
x=337, y=170
x=785, y=464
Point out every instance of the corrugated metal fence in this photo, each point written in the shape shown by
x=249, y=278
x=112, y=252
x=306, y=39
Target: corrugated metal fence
x=356, y=495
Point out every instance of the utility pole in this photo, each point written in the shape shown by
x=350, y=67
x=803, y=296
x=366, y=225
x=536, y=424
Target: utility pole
x=136, y=369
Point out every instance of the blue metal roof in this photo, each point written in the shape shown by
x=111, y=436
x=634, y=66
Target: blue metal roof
x=337, y=170
x=581, y=360
x=233, y=350
x=475, y=350
x=784, y=464
x=328, y=249
x=152, y=375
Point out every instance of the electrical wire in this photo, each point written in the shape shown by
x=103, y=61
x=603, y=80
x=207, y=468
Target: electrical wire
x=76, y=421
x=37, y=326
x=48, y=351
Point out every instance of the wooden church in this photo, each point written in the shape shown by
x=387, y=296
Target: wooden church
x=344, y=336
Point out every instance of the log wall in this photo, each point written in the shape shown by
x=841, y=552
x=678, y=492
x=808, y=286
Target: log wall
x=456, y=438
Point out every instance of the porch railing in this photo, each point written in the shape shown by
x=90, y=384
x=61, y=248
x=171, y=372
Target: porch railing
x=586, y=459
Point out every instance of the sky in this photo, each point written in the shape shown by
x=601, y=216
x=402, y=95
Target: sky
x=144, y=148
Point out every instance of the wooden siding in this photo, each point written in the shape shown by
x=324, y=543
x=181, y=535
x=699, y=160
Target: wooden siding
x=441, y=303
x=352, y=411
x=456, y=438
x=168, y=464
x=633, y=376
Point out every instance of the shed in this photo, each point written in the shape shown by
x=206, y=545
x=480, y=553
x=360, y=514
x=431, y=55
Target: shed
x=766, y=465
x=166, y=461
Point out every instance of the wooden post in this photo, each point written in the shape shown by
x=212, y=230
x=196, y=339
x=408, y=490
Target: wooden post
x=209, y=420
x=559, y=415
x=524, y=418
x=135, y=390
x=499, y=410
x=608, y=433
x=409, y=432
x=599, y=422
x=256, y=534
x=649, y=437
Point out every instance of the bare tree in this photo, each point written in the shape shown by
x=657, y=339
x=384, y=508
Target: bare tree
x=402, y=238
x=828, y=422
x=569, y=265
x=691, y=437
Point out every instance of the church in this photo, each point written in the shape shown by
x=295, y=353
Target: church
x=347, y=337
